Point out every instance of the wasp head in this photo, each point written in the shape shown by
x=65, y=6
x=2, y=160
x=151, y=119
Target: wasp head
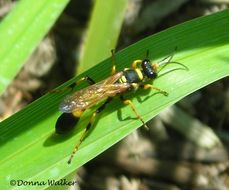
x=149, y=69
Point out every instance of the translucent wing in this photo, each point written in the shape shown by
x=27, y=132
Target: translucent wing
x=93, y=94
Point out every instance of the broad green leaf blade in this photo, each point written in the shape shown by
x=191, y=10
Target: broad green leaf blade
x=21, y=31
x=103, y=32
x=31, y=151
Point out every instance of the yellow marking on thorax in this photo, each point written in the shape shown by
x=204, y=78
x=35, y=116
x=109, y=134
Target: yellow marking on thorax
x=139, y=73
x=136, y=63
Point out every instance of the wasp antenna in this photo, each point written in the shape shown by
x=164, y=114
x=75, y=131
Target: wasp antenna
x=168, y=58
x=178, y=63
x=174, y=62
x=170, y=70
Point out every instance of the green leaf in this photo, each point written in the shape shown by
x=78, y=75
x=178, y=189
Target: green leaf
x=31, y=151
x=103, y=32
x=21, y=31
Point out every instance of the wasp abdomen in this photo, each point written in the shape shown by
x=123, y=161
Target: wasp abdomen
x=66, y=123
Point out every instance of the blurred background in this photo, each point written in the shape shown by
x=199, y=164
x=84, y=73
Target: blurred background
x=165, y=157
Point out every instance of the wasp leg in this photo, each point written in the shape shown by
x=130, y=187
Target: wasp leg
x=130, y=103
x=113, y=70
x=89, y=80
x=72, y=86
x=149, y=86
x=84, y=133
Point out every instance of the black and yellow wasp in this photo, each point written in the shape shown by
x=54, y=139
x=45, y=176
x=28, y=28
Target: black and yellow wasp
x=130, y=79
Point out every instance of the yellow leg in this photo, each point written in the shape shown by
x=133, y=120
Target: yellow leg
x=130, y=103
x=88, y=79
x=113, y=70
x=149, y=86
x=136, y=63
x=85, y=132
x=71, y=86
x=82, y=137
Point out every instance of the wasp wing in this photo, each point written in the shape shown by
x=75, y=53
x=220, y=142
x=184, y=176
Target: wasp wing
x=89, y=96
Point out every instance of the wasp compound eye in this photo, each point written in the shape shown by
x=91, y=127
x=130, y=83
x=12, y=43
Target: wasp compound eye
x=147, y=69
x=66, y=123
